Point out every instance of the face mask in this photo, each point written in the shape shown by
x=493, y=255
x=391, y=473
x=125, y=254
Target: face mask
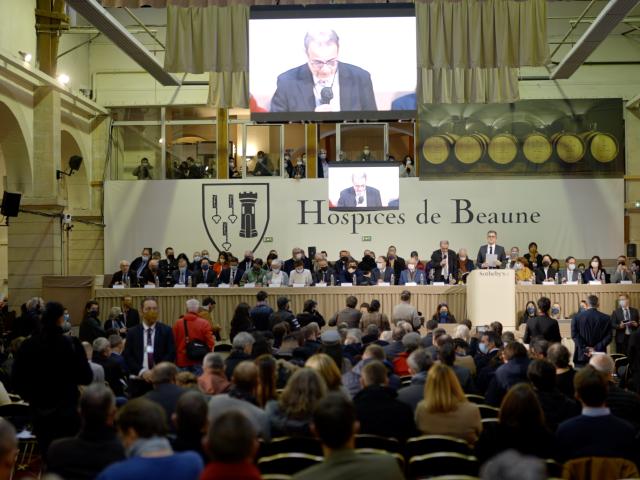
x=344, y=258
x=299, y=162
x=594, y=264
x=233, y=266
x=323, y=157
x=581, y=308
x=463, y=258
x=299, y=270
x=196, y=258
x=391, y=256
x=518, y=266
x=150, y=316
x=93, y=313
x=351, y=270
x=323, y=269
x=276, y=270
x=206, y=256
x=546, y=263
x=514, y=255
x=444, y=314
x=298, y=256
x=380, y=265
x=409, y=163
x=411, y=267
x=531, y=310
x=145, y=258
x=484, y=348
x=205, y=267
x=555, y=311
x=622, y=303
x=287, y=158
x=171, y=257
x=622, y=262
x=571, y=267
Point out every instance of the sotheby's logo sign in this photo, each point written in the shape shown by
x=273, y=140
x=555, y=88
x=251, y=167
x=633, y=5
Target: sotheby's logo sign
x=235, y=215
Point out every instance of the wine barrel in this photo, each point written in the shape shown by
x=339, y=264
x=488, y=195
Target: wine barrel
x=569, y=147
x=470, y=148
x=503, y=148
x=436, y=149
x=537, y=147
x=602, y=146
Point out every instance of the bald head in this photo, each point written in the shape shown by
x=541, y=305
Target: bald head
x=245, y=376
x=603, y=363
x=164, y=372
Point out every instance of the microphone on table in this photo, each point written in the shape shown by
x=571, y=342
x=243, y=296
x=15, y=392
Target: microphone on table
x=326, y=95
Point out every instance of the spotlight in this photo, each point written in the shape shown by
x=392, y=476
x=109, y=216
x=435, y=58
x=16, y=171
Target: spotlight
x=26, y=56
x=161, y=140
x=63, y=78
x=637, y=204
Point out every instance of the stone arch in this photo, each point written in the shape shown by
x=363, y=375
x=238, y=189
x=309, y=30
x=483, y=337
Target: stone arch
x=77, y=185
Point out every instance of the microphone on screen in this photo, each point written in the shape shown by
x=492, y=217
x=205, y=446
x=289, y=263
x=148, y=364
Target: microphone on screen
x=326, y=95
x=360, y=200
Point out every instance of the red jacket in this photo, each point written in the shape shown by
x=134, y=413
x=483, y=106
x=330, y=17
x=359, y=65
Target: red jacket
x=230, y=471
x=199, y=329
x=400, y=366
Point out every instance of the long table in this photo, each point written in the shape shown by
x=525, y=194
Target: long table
x=331, y=299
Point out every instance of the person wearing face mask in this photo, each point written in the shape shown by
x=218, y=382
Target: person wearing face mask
x=169, y=264
x=255, y=274
x=407, y=169
x=396, y=263
x=556, y=311
x=299, y=169
x=324, y=273
x=464, y=266
x=222, y=263
x=247, y=261
x=523, y=272
x=542, y=326
x=340, y=265
x=443, y=315
x=205, y=274
x=366, y=155
x=595, y=272
x=622, y=272
x=296, y=254
x=288, y=166
x=382, y=273
x=570, y=273
x=635, y=271
x=368, y=261
x=513, y=258
x=624, y=320
x=412, y=274
x=533, y=257
x=195, y=265
x=323, y=164
x=182, y=276
x=276, y=276
x=346, y=276
x=141, y=262
x=91, y=327
x=530, y=310
x=545, y=272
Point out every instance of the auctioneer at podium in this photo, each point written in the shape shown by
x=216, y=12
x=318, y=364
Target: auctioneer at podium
x=491, y=296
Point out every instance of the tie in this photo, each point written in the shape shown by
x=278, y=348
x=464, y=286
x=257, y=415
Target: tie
x=181, y=277
x=232, y=276
x=150, y=361
x=626, y=315
x=491, y=250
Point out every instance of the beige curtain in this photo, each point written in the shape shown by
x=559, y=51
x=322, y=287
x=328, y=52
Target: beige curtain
x=469, y=85
x=482, y=33
x=212, y=39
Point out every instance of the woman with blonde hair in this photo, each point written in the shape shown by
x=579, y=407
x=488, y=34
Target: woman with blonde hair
x=523, y=272
x=445, y=410
x=292, y=414
x=267, y=371
x=328, y=370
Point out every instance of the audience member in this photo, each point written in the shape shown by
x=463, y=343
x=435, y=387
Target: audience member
x=447, y=356
x=419, y=363
x=191, y=328
x=267, y=371
x=116, y=343
x=187, y=380
x=542, y=326
x=90, y=327
x=443, y=315
x=240, y=352
x=511, y=465
x=404, y=311
x=241, y=321
x=328, y=370
x=513, y=371
x=349, y=315
x=165, y=391
x=96, y=446
x=335, y=424
x=114, y=375
x=559, y=356
x=284, y=315
x=96, y=370
x=310, y=314
x=410, y=342
x=591, y=332
x=142, y=426
x=213, y=379
x=261, y=313
x=373, y=316
x=445, y=410
x=190, y=421
x=131, y=315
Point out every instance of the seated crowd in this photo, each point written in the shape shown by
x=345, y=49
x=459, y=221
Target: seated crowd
x=444, y=266
x=158, y=400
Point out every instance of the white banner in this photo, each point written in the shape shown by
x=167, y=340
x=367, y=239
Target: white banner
x=579, y=217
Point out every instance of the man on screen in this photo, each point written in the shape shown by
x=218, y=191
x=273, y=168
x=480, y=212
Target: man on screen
x=323, y=84
x=360, y=195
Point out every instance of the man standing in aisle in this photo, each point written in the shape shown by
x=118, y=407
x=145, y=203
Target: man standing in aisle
x=591, y=332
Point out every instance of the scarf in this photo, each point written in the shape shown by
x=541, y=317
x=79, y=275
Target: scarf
x=143, y=446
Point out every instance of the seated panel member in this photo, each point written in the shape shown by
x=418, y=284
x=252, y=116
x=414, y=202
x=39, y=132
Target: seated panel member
x=523, y=272
x=545, y=272
x=444, y=262
x=255, y=274
x=360, y=195
x=352, y=269
x=412, y=274
x=231, y=275
x=622, y=272
x=276, y=276
x=300, y=275
x=205, y=274
x=182, y=276
x=595, y=272
x=124, y=276
x=491, y=248
x=324, y=273
x=570, y=273
x=464, y=265
x=382, y=273
x=323, y=84
x=152, y=275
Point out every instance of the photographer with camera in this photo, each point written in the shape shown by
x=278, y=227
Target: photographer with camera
x=143, y=171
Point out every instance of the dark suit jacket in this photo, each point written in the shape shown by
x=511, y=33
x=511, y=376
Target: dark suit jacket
x=164, y=349
x=452, y=261
x=117, y=278
x=294, y=92
x=569, y=276
x=90, y=329
x=348, y=197
x=542, y=327
x=287, y=266
x=541, y=277
x=320, y=276
x=132, y=317
x=590, y=328
x=225, y=276
x=209, y=277
x=175, y=277
x=166, y=395
x=386, y=277
x=617, y=318
x=482, y=255
x=147, y=277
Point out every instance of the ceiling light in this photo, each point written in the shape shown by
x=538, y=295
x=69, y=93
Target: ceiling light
x=26, y=56
x=63, y=78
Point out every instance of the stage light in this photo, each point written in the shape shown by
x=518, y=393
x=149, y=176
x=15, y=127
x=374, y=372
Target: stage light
x=26, y=56
x=161, y=140
x=637, y=203
x=63, y=79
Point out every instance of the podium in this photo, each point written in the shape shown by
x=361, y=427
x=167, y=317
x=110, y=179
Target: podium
x=491, y=297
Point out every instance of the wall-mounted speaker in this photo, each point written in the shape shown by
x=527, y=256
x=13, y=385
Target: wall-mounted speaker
x=10, y=204
x=631, y=250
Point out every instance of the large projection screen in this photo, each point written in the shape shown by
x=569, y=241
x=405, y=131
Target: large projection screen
x=332, y=63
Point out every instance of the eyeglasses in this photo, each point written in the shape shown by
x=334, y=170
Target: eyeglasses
x=329, y=63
